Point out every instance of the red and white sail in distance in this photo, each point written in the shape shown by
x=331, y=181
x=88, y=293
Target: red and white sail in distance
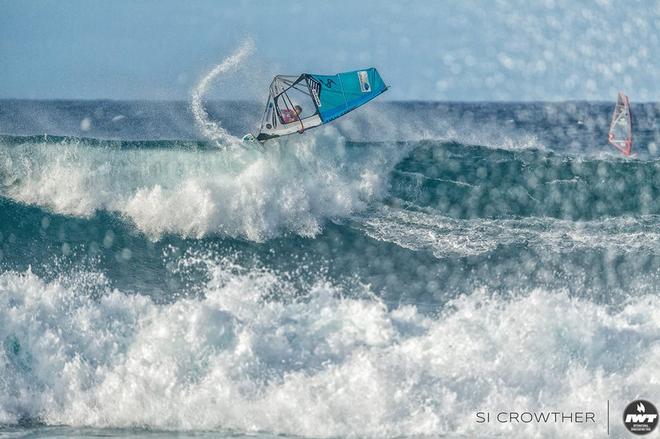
x=620, y=135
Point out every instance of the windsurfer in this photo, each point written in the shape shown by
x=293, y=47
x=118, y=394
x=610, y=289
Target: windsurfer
x=289, y=116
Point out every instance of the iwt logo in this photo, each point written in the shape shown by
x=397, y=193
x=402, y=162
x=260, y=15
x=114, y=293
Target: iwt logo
x=640, y=417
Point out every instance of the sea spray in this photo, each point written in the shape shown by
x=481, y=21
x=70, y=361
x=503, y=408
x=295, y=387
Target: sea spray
x=209, y=128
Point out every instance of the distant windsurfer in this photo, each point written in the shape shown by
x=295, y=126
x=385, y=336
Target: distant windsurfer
x=620, y=133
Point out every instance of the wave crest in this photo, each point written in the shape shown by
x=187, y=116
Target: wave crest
x=244, y=194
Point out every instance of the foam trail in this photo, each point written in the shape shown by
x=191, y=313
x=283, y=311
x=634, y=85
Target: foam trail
x=209, y=128
x=446, y=236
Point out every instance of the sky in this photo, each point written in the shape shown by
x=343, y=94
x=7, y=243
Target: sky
x=464, y=50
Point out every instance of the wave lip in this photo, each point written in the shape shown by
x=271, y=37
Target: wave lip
x=242, y=194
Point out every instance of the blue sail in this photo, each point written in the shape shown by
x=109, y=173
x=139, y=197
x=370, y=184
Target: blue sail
x=346, y=91
x=298, y=103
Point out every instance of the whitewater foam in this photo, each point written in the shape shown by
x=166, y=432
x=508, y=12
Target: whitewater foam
x=247, y=194
x=330, y=363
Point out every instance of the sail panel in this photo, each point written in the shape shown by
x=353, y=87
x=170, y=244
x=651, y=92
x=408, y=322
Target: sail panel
x=287, y=94
x=344, y=92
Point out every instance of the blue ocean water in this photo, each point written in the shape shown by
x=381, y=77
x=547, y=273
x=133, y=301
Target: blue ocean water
x=387, y=275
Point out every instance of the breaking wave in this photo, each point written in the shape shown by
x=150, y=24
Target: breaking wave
x=256, y=355
x=196, y=193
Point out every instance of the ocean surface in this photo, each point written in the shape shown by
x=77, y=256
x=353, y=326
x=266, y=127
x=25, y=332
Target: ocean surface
x=387, y=275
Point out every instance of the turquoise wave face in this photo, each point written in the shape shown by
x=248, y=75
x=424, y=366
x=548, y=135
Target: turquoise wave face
x=464, y=181
x=325, y=287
